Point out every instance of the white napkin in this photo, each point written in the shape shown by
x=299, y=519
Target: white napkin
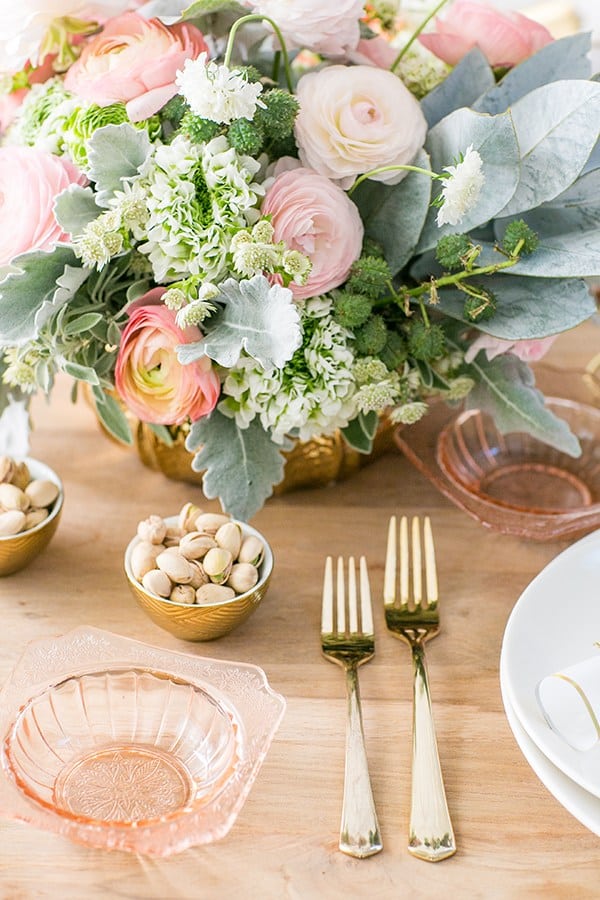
x=570, y=701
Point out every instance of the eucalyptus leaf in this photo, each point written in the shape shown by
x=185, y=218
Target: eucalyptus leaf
x=495, y=140
x=393, y=215
x=570, y=255
x=527, y=308
x=75, y=208
x=115, y=153
x=557, y=127
x=506, y=390
x=258, y=317
x=462, y=87
x=566, y=58
x=112, y=416
x=240, y=466
x=43, y=282
x=359, y=433
x=582, y=193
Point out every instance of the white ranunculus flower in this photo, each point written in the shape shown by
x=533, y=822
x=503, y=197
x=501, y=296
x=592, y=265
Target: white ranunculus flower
x=354, y=119
x=23, y=25
x=327, y=28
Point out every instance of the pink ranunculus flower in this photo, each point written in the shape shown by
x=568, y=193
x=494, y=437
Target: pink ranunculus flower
x=528, y=351
x=505, y=38
x=135, y=61
x=149, y=378
x=374, y=52
x=326, y=28
x=354, y=119
x=30, y=181
x=311, y=214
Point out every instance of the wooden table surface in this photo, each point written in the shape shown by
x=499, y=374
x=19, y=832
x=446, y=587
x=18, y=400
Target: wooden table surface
x=514, y=838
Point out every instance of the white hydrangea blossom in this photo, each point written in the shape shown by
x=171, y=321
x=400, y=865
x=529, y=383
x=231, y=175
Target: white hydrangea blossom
x=197, y=197
x=216, y=92
x=461, y=188
x=313, y=394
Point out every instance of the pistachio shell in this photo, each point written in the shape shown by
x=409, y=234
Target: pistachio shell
x=217, y=564
x=210, y=522
x=21, y=476
x=143, y=558
x=243, y=577
x=7, y=468
x=229, y=537
x=183, y=593
x=173, y=536
x=175, y=566
x=252, y=551
x=187, y=517
x=156, y=582
x=42, y=493
x=11, y=522
x=195, y=545
x=35, y=517
x=214, y=593
x=153, y=529
x=12, y=497
x=199, y=576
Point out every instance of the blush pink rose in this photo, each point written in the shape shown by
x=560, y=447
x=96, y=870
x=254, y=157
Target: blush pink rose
x=326, y=28
x=528, y=351
x=149, y=378
x=135, y=61
x=354, y=119
x=505, y=38
x=30, y=181
x=311, y=214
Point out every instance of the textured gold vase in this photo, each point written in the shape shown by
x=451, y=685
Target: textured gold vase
x=313, y=463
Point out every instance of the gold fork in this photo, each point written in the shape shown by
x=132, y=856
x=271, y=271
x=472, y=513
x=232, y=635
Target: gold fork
x=347, y=638
x=430, y=831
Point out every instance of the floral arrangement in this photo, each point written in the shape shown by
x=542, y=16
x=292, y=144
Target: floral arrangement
x=261, y=222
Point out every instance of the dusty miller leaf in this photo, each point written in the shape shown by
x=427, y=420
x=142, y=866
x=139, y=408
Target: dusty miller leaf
x=115, y=153
x=75, y=208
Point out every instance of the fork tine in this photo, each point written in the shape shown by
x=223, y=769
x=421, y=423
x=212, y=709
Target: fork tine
x=430, y=567
x=352, y=598
x=417, y=562
x=366, y=610
x=404, y=567
x=327, y=609
x=341, y=597
x=389, y=583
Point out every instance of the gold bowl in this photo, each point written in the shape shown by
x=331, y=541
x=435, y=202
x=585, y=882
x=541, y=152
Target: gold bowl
x=207, y=621
x=18, y=550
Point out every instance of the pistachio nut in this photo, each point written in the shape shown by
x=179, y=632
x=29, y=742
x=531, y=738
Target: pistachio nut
x=187, y=517
x=229, y=537
x=21, y=475
x=42, y=493
x=143, y=558
x=175, y=566
x=11, y=522
x=183, y=593
x=214, y=593
x=12, y=497
x=210, y=522
x=173, y=536
x=7, y=468
x=252, y=551
x=156, y=582
x=153, y=529
x=35, y=517
x=243, y=577
x=195, y=545
x=199, y=576
x=217, y=564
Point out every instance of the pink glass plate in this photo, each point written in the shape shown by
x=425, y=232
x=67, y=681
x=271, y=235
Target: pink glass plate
x=120, y=745
x=535, y=517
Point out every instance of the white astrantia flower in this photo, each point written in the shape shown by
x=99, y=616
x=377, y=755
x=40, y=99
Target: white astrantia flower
x=315, y=391
x=216, y=92
x=197, y=196
x=462, y=187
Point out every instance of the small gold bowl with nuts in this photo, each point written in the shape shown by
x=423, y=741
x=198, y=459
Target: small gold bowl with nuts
x=198, y=575
x=31, y=500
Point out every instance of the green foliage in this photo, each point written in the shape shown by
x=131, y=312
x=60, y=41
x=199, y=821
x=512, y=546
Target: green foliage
x=426, y=342
x=519, y=238
x=371, y=338
x=369, y=275
x=351, y=310
x=360, y=432
x=451, y=251
x=115, y=153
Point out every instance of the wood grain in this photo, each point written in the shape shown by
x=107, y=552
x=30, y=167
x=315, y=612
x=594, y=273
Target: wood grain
x=515, y=840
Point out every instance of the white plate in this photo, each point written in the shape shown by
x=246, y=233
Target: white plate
x=579, y=802
x=554, y=625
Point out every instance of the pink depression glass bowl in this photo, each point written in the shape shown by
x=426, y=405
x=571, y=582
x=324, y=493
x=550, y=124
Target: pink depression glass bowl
x=120, y=745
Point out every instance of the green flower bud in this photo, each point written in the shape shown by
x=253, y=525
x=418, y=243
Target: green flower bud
x=516, y=232
x=246, y=137
x=279, y=115
x=395, y=352
x=199, y=130
x=371, y=338
x=352, y=310
x=426, y=342
x=478, y=309
x=451, y=250
x=369, y=275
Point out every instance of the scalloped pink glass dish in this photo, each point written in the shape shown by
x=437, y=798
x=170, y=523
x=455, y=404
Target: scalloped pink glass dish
x=511, y=483
x=120, y=745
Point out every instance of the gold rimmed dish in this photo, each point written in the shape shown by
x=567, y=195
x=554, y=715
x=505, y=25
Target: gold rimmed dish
x=18, y=550
x=205, y=622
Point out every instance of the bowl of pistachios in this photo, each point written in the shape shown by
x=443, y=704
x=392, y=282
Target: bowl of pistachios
x=198, y=574
x=31, y=500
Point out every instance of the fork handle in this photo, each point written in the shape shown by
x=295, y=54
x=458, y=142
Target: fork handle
x=431, y=836
x=359, y=829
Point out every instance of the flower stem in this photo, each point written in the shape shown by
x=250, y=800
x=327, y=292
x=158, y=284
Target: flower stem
x=416, y=34
x=381, y=169
x=257, y=17
x=460, y=276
